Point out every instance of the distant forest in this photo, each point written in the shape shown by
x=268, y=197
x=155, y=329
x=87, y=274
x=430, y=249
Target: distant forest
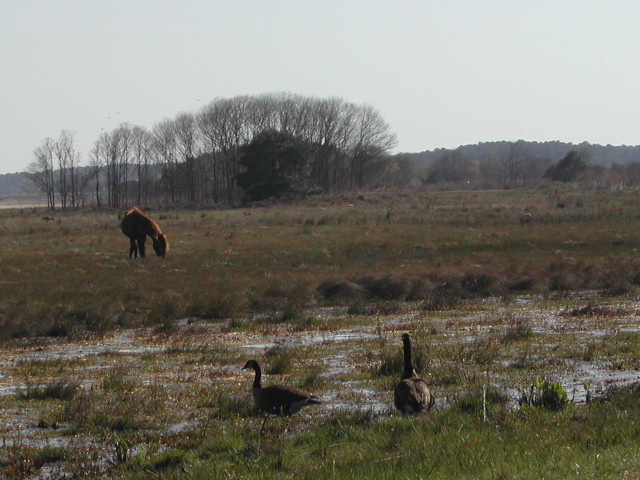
x=277, y=147
x=605, y=155
x=521, y=164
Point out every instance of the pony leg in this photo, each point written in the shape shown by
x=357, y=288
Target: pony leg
x=133, y=249
x=141, y=246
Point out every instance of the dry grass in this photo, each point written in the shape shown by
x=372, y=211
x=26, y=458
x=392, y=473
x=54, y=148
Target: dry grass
x=335, y=282
x=73, y=277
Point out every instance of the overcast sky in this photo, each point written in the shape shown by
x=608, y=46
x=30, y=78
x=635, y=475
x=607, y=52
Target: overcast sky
x=441, y=73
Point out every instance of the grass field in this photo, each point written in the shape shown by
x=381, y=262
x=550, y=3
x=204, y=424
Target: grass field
x=118, y=368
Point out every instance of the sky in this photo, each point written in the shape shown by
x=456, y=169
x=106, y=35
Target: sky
x=441, y=73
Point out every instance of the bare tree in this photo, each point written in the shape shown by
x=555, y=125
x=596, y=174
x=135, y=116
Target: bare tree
x=490, y=170
x=371, y=139
x=225, y=128
x=399, y=171
x=63, y=171
x=347, y=126
x=187, y=147
x=125, y=148
x=140, y=146
x=164, y=152
x=96, y=163
x=115, y=146
x=73, y=160
x=513, y=162
x=326, y=117
x=64, y=155
x=41, y=171
x=453, y=166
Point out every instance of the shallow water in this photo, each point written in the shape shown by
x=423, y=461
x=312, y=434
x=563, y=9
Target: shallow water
x=550, y=325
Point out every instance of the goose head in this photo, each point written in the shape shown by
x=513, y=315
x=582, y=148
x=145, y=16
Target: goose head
x=252, y=364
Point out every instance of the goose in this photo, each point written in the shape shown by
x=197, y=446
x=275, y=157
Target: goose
x=278, y=399
x=411, y=395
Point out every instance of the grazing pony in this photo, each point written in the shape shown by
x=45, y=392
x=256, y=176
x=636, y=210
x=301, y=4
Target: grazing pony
x=137, y=225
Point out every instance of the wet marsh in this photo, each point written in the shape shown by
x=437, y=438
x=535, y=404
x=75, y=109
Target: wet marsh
x=116, y=367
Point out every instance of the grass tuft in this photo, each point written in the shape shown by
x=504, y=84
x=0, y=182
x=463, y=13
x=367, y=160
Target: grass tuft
x=58, y=390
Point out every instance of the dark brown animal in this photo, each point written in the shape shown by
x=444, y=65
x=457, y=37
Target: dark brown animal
x=278, y=399
x=137, y=225
x=411, y=395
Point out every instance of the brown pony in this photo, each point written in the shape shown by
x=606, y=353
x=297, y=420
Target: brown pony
x=137, y=225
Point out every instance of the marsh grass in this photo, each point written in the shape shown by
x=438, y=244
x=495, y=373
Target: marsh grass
x=450, y=248
x=517, y=329
x=233, y=405
x=116, y=380
x=216, y=306
x=391, y=355
x=62, y=389
x=265, y=272
x=279, y=360
x=21, y=462
x=453, y=443
x=483, y=401
x=120, y=406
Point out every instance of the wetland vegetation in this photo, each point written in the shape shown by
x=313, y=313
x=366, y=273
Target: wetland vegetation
x=118, y=368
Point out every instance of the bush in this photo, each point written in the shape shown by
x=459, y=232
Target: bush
x=340, y=289
x=543, y=395
x=478, y=283
x=444, y=295
x=386, y=288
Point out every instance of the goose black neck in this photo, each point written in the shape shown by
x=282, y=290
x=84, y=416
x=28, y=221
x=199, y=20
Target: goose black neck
x=408, y=366
x=256, y=380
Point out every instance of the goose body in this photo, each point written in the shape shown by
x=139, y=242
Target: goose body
x=277, y=399
x=412, y=394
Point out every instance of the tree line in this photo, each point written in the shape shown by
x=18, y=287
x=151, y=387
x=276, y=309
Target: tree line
x=520, y=164
x=197, y=158
x=250, y=148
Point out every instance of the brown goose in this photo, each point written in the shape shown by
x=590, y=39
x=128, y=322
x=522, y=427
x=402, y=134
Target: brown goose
x=278, y=399
x=411, y=395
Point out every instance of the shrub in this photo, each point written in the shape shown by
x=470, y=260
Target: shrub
x=522, y=284
x=389, y=287
x=444, y=295
x=543, y=395
x=340, y=290
x=478, y=283
x=358, y=307
x=213, y=308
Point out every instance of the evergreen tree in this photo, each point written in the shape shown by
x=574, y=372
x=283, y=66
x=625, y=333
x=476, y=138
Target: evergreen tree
x=276, y=164
x=568, y=169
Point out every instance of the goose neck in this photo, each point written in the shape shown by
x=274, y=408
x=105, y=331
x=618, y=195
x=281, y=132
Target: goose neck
x=408, y=366
x=258, y=376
